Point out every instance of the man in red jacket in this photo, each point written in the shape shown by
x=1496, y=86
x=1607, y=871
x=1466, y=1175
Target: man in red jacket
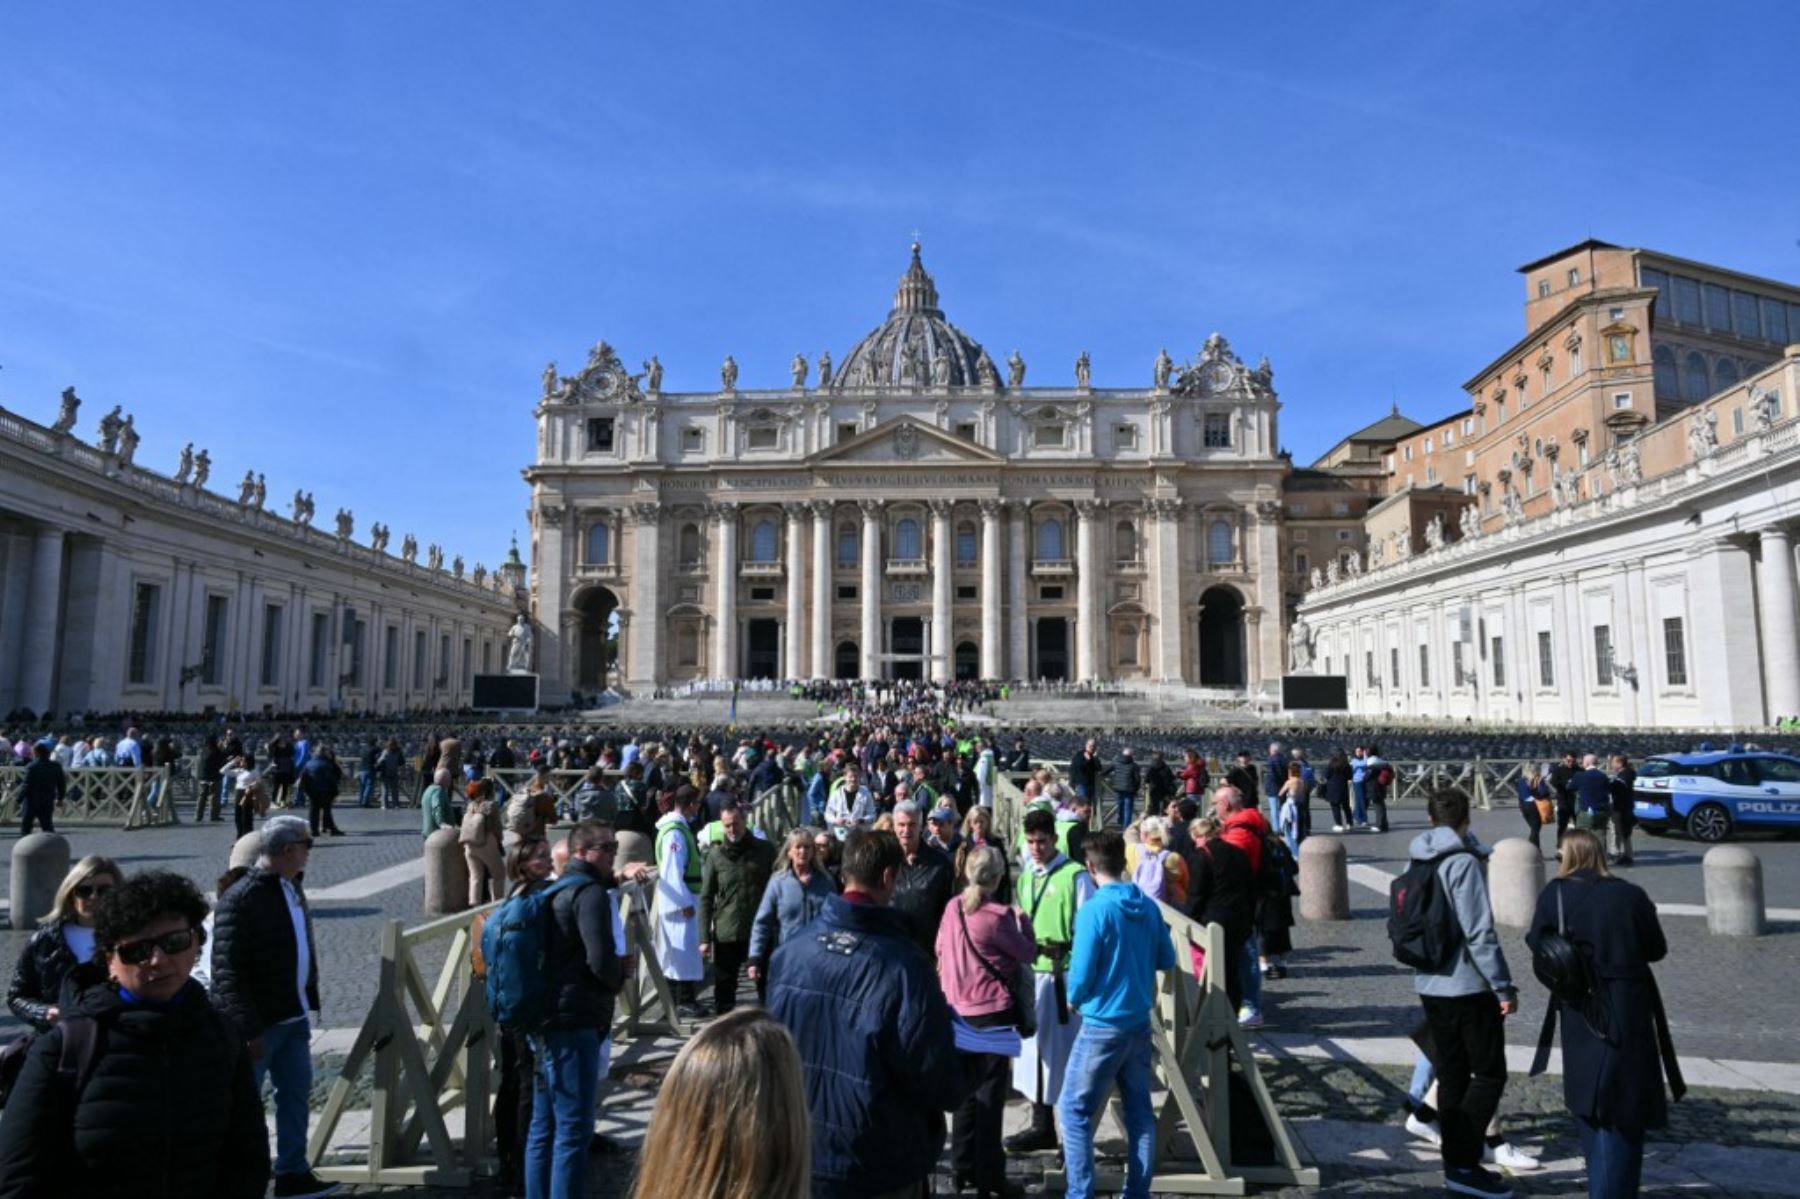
x=1245, y=828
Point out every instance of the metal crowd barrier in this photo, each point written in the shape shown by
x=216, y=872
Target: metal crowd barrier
x=125, y=795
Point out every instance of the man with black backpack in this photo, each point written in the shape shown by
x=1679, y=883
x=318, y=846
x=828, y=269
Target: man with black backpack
x=1441, y=923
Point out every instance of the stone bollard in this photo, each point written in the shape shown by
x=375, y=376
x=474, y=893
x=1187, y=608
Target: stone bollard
x=1734, y=891
x=1515, y=880
x=246, y=849
x=1324, y=879
x=635, y=848
x=39, y=863
x=446, y=874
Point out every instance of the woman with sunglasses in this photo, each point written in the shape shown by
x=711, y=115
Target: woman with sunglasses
x=65, y=941
x=161, y=1102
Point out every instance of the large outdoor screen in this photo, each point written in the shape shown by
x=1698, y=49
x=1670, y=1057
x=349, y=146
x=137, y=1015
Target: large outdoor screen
x=506, y=693
x=1315, y=692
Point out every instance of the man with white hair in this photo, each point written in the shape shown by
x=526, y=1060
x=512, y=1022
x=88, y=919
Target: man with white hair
x=434, y=806
x=265, y=975
x=926, y=880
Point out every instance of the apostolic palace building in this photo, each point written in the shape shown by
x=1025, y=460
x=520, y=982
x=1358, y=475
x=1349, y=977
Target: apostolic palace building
x=910, y=509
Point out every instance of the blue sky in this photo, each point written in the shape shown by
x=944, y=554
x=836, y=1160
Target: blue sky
x=337, y=243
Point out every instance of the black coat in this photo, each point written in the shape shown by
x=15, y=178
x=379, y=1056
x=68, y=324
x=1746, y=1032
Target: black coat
x=1222, y=888
x=1160, y=779
x=581, y=959
x=168, y=1109
x=1337, y=783
x=38, y=976
x=255, y=955
x=922, y=890
x=1620, y=1085
x=1084, y=771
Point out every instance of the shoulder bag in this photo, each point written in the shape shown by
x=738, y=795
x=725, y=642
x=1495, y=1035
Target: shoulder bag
x=1022, y=986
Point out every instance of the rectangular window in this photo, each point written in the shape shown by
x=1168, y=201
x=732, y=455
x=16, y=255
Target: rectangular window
x=1499, y=658
x=1340, y=508
x=1774, y=322
x=847, y=547
x=1621, y=400
x=1428, y=445
x=1048, y=436
x=1547, y=388
x=1430, y=475
x=1394, y=666
x=419, y=663
x=1743, y=314
x=1424, y=666
x=1302, y=534
x=1125, y=437
x=762, y=594
x=1449, y=438
x=1660, y=282
x=1718, y=307
x=763, y=437
x=1215, y=430
x=1343, y=534
x=693, y=439
x=1469, y=484
x=967, y=593
x=845, y=431
x=600, y=435
x=1543, y=288
x=390, y=659
x=966, y=430
x=212, y=640
x=1546, y=660
x=1574, y=276
x=846, y=593
x=1468, y=426
x=1574, y=362
x=1050, y=593
x=1300, y=563
x=1687, y=301
x=315, y=660
x=270, y=675
x=1406, y=452
x=146, y=613
x=1603, y=655
x=1674, y=651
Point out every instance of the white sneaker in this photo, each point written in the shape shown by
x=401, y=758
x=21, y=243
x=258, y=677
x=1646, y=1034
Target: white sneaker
x=1508, y=1155
x=1337, y=828
x=1249, y=1017
x=1426, y=1131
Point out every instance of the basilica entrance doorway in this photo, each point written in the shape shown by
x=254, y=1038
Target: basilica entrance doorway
x=846, y=661
x=1221, y=638
x=909, y=639
x=1053, y=647
x=596, y=640
x=762, y=649
x=968, y=660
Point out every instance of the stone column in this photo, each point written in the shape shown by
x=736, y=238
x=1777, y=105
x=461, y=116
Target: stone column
x=43, y=613
x=1780, y=638
x=551, y=571
x=870, y=645
x=1087, y=571
x=1265, y=567
x=795, y=640
x=1018, y=589
x=1164, y=540
x=822, y=563
x=943, y=642
x=644, y=668
x=992, y=661
x=15, y=582
x=725, y=567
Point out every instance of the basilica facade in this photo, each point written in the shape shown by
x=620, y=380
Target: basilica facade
x=913, y=509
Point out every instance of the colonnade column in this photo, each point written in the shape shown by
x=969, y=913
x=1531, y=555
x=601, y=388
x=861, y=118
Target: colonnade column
x=646, y=663
x=1164, y=538
x=992, y=666
x=1017, y=589
x=43, y=608
x=870, y=645
x=1087, y=570
x=1780, y=639
x=943, y=639
x=796, y=591
x=725, y=567
x=822, y=664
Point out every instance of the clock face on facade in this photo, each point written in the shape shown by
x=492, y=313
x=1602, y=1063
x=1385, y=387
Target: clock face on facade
x=1217, y=377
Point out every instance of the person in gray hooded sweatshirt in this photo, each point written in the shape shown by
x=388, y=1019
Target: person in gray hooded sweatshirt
x=1465, y=1001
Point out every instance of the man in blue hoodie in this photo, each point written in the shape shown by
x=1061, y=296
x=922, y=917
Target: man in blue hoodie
x=1120, y=944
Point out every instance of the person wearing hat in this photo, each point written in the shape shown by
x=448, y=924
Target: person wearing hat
x=942, y=825
x=252, y=800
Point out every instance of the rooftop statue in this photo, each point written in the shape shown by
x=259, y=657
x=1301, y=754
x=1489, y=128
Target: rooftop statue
x=985, y=373
x=128, y=442
x=259, y=491
x=1703, y=433
x=110, y=424
x=797, y=368
x=247, y=488
x=185, y=467
x=1161, y=371
x=1015, y=371
x=824, y=370
x=65, y=416
x=202, y=469
x=728, y=374
x=1084, y=371
x=653, y=373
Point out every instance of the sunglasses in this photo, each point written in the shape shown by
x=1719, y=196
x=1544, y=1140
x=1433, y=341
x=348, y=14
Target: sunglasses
x=91, y=890
x=136, y=953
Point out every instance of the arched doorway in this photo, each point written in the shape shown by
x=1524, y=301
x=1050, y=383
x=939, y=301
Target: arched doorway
x=968, y=660
x=1221, y=638
x=597, y=637
x=847, y=661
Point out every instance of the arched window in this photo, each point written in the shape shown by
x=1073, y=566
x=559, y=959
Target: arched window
x=1050, y=540
x=1695, y=383
x=1219, y=543
x=599, y=542
x=906, y=541
x=690, y=544
x=1725, y=374
x=847, y=545
x=765, y=542
x=966, y=544
x=1125, y=546
x=1668, y=375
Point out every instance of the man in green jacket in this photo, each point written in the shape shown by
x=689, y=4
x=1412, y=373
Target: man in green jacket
x=737, y=871
x=434, y=805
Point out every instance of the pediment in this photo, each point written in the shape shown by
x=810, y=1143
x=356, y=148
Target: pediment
x=903, y=441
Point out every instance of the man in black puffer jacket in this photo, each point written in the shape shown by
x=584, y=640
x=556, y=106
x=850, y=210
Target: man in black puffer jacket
x=162, y=1105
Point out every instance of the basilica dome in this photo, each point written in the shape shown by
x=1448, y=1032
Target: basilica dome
x=915, y=346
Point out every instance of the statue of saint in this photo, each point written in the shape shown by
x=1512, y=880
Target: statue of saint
x=1084, y=370
x=260, y=492
x=1015, y=370
x=1703, y=434
x=550, y=379
x=299, y=506
x=202, y=469
x=1631, y=464
x=186, y=466
x=65, y=416
x=824, y=370
x=728, y=372
x=985, y=373
x=346, y=524
x=456, y=566
x=110, y=424
x=128, y=442
x=409, y=549
x=1434, y=532
x=653, y=373
x=247, y=488
x=519, y=642
x=1300, y=646
x=940, y=370
x=798, y=368
x=1164, y=365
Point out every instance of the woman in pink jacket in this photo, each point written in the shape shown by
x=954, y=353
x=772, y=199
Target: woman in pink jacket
x=980, y=945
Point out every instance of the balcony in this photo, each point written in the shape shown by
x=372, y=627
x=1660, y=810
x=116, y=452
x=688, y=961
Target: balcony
x=906, y=568
x=1128, y=566
x=760, y=570
x=1053, y=567
x=597, y=570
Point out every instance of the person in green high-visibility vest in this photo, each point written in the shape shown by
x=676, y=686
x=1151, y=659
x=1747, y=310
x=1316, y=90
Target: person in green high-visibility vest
x=678, y=879
x=1050, y=890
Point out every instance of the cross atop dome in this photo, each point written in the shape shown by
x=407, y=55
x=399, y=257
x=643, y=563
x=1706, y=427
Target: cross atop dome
x=916, y=293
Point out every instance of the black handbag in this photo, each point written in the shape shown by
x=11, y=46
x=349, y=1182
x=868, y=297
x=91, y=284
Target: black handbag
x=1022, y=986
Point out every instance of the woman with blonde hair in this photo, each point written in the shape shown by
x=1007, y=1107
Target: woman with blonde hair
x=978, y=830
x=65, y=941
x=740, y=1072
x=980, y=946
x=1158, y=870
x=796, y=893
x=480, y=835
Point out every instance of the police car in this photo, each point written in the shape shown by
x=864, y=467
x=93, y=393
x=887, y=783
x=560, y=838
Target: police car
x=1709, y=795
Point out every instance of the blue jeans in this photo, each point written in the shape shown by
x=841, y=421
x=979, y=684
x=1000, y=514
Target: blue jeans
x=287, y=1057
x=1423, y=1074
x=365, y=792
x=1250, y=970
x=562, y=1114
x=1099, y=1057
x=155, y=792
x=1361, y=813
x=1615, y=1159
x=1126, y=800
